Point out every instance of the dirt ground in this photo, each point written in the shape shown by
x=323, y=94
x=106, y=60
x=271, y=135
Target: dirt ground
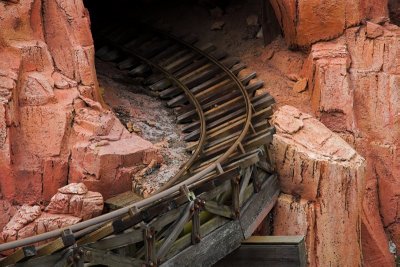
x=149, y=118
x=275, y=64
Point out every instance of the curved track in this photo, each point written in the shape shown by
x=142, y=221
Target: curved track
x=224, y=119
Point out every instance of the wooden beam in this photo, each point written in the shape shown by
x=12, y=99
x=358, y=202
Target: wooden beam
x=277, y=251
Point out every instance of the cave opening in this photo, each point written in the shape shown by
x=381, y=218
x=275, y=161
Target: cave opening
x=234, y=25
x=231, y=28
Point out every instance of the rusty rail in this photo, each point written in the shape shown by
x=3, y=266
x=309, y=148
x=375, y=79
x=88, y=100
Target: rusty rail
x=234, y=149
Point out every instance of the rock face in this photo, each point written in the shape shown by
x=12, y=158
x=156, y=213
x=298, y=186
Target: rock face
x=322, y=182
x=355, y=90
x=306, y=22
x=72, y=204
x=76, y=200
x=53, y=127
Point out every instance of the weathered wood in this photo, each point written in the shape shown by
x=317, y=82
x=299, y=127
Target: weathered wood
x=149, y=245
x=196, y=223
x=175, y=230
x=224, y=239
x=95, y=256
x=18, y=255
x=120, y=240
x=122, y=200
x=254, y=211
x=221, y=210
x=206, y=228
x=212, y=248
x=55, y=260
x=285, y=251
x=244, y=182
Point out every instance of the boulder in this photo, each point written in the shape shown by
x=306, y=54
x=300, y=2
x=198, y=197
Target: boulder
x=322, y=181
x=72, y=204
x=47, y=222
x=374, y=30
x=75, y=199
x=25, y=215
x=7, y=211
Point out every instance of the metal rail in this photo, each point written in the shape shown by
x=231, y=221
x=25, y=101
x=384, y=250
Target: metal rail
x=170, y=190
x=246, y=123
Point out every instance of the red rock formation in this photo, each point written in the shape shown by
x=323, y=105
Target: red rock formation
x=355, y=92
x=353, y=84
x=306, y=22
x=72, y=204
x=53, y=128
x=7, y=211
x=76, y=200
x=322, y=180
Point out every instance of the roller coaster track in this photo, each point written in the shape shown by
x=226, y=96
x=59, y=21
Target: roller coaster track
x=228, y=174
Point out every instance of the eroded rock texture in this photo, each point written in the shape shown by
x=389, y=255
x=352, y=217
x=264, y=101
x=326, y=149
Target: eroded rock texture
x=322, y=182
x=53, y=128
x=355, y=89
x=72, y=204
x=306, y=22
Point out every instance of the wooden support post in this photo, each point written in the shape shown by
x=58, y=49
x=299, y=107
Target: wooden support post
x=244, y=182
x=176, y=229
x=196, y=222
x=149, y=241
x=235, y=197
x=221, y=210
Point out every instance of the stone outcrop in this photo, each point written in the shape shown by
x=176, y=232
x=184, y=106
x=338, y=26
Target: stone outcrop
x=354, y=83
x=306, y=22
x=77, y=200
x=72, y=204
x=322, y=183
x=7, y=211
x=54, y=128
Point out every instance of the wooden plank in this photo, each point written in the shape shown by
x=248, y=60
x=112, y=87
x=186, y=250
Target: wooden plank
x=95, y=256
x=295, y=239
x=212, y=248
x=225, y=239
x=122, y=200
x=205, y=229
x=222, y=210
x=55, y=260
x=255, y=210
x=118, y=241
x=288, y=251
x=18, y=255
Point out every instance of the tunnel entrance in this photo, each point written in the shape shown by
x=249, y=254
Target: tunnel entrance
x=231, y=28
x=231, y=25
